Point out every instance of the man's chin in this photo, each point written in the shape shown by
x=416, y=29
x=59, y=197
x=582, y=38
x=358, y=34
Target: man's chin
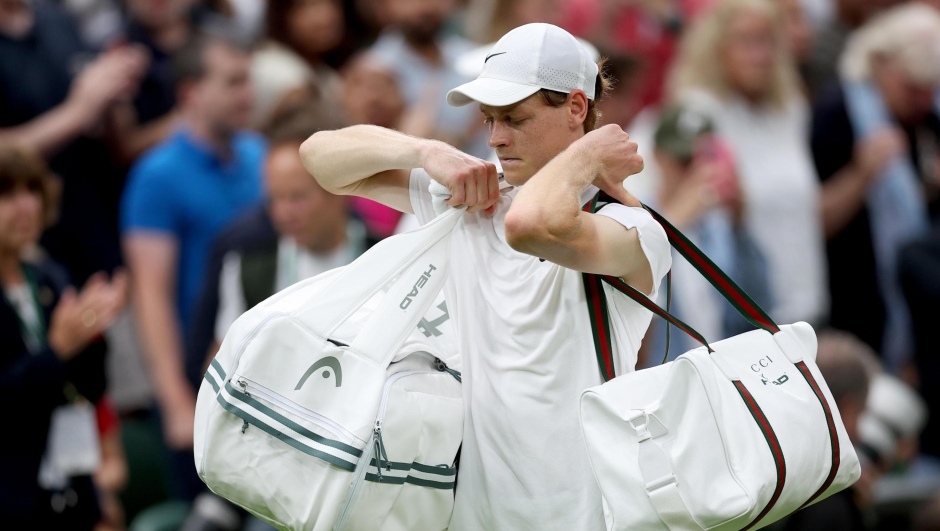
x=516, y=176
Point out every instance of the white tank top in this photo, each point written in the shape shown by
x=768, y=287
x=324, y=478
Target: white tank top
x=527, y=354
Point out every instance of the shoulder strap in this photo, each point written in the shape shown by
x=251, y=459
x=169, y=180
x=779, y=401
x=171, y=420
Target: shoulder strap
x=597, y=300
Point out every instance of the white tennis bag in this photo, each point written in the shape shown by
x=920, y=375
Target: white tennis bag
x=728, y=437
x=329, y=407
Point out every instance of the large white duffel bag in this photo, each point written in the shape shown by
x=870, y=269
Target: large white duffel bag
x=731, y=436
x=329, y=407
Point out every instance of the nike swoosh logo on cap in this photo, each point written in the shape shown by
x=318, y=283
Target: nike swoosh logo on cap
x=492, y=55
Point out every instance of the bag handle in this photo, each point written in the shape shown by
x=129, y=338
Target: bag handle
x=416, y=262
x=597, y=300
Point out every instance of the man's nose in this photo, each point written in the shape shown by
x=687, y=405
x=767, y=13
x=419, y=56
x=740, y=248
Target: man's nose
x=499, y=136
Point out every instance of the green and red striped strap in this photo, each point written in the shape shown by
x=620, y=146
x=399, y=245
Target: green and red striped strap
x=716, y=277
x=775, y=450
x=597, y=300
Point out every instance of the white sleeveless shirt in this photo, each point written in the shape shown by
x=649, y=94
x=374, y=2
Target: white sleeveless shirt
x=527, y=354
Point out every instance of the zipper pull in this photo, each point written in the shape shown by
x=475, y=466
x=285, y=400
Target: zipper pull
x=388, y=464
x=377, y=448
x=244, y=385
x=244, y=426
x=441, y=366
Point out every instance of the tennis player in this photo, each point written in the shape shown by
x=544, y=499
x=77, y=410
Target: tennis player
x=515, y=287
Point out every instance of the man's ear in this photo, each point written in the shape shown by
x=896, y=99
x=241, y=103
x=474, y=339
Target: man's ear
x=578, y=107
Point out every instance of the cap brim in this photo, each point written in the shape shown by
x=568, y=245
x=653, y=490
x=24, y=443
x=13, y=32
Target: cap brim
x=490, y=91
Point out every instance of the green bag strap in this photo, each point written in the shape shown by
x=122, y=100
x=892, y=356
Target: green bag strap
x=597, y=299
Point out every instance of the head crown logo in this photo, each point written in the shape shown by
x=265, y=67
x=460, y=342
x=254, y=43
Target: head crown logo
x=327, y=362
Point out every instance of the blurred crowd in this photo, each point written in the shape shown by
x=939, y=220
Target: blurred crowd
x=151, y=191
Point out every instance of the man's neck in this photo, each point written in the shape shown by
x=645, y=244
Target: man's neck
x=220, y=141
x=328, y=242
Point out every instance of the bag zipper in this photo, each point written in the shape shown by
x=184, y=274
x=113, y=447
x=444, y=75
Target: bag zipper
x=440, y=365
x=373, y=448
x=255, y=389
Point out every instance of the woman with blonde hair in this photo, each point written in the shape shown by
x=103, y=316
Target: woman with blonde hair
x=876, y=144
x=735, y=66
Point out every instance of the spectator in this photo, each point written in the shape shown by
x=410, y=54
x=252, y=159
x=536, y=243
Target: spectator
x=648, y=29
x=300, y=35
x=735, y=67
x=370, y=95
x=161, y=28
x=624, y=101
x=45, y=109
x=51, y=360
x=893, y=404
x=875, y=141
x=179, y=197
x=313, y=231
x=799, y=33
x=700, y=194
x=829, y=42
x=423, y=59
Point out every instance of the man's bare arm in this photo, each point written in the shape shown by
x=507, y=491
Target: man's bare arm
x=113, y=75
x=546, y=219
x=375, y=163
x=152, y=258
x=48, y=132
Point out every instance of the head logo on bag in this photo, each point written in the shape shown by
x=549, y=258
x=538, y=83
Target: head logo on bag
x=329, y=362
x=422, y=280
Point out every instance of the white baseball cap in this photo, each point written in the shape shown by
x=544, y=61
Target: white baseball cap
x=526, y=60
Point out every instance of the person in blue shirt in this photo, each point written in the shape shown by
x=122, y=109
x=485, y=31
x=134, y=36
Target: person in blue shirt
x=179, y=197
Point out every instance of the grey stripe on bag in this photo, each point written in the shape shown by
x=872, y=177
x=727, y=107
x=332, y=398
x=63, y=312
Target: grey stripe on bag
x=352, y=450
x=218, y=367
x=389, y=468
x=332, y=459
x=211, y=381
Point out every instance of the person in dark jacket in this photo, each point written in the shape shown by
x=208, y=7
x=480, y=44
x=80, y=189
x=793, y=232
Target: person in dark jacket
x=51, y=356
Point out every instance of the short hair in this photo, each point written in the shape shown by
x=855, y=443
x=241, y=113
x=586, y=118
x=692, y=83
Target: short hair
x=845, y=363
x=299, y=115
x=698, y=64
x=602, y=84
x=908, y=33
x=189, y=62
x=20, y=167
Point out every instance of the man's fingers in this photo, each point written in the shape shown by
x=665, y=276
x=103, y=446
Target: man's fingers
x=483, y=189
x=470, y=191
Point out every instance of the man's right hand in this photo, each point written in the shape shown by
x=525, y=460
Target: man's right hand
x=472, y=182
x=617, y=158
x=114, y=75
